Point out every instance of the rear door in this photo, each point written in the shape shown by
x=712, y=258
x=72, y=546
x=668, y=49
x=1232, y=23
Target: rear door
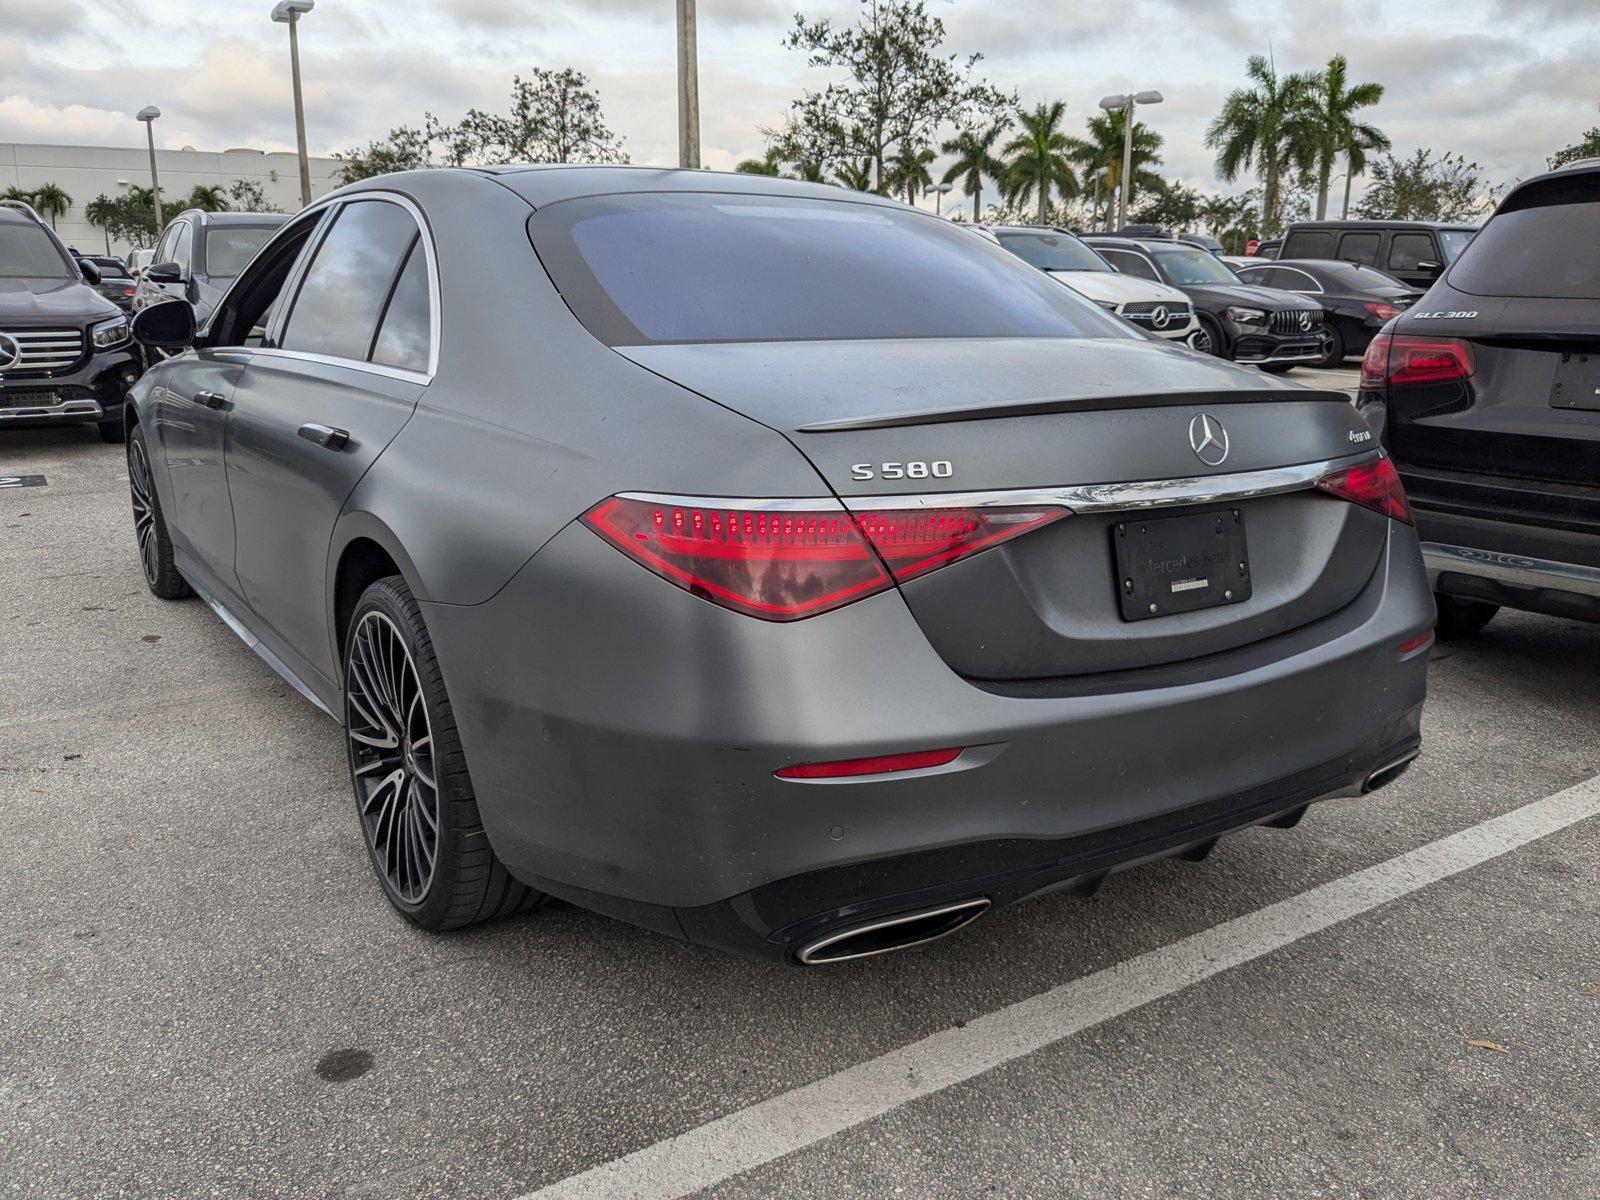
x=350, y=358
x=1414, y=258
x=1359, y=247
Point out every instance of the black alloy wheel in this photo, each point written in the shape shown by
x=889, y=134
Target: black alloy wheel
x=149, y=527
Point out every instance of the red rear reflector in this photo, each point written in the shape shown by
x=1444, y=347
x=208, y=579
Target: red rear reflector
x=784, y=565
x=1416, y=643
x=883, y=765
x=1374, y=485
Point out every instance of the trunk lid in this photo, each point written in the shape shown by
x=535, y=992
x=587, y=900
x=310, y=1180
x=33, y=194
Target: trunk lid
x=954, y=417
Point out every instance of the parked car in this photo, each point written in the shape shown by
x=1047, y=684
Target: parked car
x=1414, y=252
x=1487, y=392
x=532, y=480
x=199, y=254
x=116, y=281
x=1357, y=301
x=65, y=354
x=1248, y=324
x=1162, y=310
x=139, y=259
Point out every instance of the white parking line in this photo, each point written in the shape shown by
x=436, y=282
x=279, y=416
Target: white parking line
x=794, y=1120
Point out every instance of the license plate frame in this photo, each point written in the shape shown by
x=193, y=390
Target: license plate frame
x=1178, y=564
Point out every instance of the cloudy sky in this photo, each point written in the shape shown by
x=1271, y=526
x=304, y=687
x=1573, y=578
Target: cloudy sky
x=1505, y=82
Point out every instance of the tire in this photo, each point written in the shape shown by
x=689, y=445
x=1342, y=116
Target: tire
x=1460, y=618
x=427, y=845
x=1279, y=368
x=1216, y=346
x=150, y=526
x=1334, y=350
x=112, y=431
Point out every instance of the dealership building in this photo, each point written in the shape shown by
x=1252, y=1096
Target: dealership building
x=84, y=172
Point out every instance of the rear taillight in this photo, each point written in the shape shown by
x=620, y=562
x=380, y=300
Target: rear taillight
x=784, y=564
x=1374, y=485
x=1404, y=360
x=1384, y=312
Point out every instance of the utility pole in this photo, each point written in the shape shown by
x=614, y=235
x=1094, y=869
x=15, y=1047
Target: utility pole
x=288, y=13
x=688, y=89
x=1126, y=103
x=148, y=115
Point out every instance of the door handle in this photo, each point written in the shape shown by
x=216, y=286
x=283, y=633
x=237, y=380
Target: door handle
x=212, y=400
x=325, y=436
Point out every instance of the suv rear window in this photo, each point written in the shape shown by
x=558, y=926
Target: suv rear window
x=230, y=247
x=1549, y=250
x=653, y=268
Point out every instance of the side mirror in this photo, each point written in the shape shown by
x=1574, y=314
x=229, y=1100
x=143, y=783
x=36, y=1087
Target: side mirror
x=165, y=326
x=167, y=272
x=90, y=272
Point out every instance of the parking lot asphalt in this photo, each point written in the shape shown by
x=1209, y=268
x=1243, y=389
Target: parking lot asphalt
x=206, y=995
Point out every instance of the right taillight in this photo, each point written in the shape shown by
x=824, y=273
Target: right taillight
x=1405, y=360
x=1374, y=485
x=782, y=564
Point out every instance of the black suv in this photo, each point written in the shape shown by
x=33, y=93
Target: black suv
x=1414, y=252
x=66, y=356
x=198, y=256
x=1272, y=329
x=1487, y=394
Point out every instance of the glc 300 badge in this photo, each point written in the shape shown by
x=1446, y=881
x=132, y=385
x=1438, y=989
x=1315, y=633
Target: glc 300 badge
x=1208, y=439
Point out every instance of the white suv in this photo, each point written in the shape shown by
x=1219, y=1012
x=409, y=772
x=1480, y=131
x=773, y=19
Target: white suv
x=1154, y=307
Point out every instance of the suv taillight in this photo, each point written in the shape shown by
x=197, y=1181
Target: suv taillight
x=1374, y=485
x=783, y=564
x=1405, y=360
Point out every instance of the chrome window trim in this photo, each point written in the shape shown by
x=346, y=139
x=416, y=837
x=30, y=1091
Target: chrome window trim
x=349, y=364
x=1079, y=498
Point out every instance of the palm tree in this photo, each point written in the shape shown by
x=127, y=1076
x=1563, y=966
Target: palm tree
x=1039, y=159
x=770, y=163
x=855, y=175
x=141, y=197
x=208, y=199
x=909, y=170
x=15, y=193
x=1100, y=157
x=1267, y=129
x=51, y=201
x=1355, y=159
x=975, y=158
x=1332, y=108
x=99, y=212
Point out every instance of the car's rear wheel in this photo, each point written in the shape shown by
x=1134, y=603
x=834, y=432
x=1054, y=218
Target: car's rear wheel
x=149, y=526
x=1462, y=618
x=419, y=814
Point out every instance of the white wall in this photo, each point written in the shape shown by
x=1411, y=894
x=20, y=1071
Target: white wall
x=85, y=172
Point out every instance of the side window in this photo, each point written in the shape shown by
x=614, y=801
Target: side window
x=248, y=308
x=164, y=246
x=1296, y=281
x=1260, y=276
x=1310, y=243
x=183, y=247
x=1359, y=248
x=1408, y=251
x=350, y=278
x=405, y=332
x=1131, y=264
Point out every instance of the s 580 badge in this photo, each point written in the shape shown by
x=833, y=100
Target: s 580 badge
x=902, y=470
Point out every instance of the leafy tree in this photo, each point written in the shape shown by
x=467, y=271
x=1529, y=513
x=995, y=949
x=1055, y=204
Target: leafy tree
x=207, y=198
x=770, y=163
x=1039, y=159
x=130, y=217
x=1332, y=104
x=855, y=175
x=99, y=212
x=1425, y=188
x=16, y=193
x=249, y=196
x=555, y=117
x=1174, y=206
x=1266, y=128
x=404, y=149
x=1100, y=157
x=975, y=158
x=898, y=89
x=908, y=170
x=51, y=201
x=1588, y=146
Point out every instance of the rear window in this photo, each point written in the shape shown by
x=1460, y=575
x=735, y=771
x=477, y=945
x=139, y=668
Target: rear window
x=1053, y=252
x=1551, y=250
x=1313, y=243
x=1362, y=278
x=657, y=268
x=230, y=247
x=110, y=268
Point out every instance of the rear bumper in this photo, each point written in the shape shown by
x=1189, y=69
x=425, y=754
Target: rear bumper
x=623, y=734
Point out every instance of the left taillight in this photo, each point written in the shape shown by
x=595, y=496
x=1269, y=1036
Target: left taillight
x=1374, y=485
x=782, y=564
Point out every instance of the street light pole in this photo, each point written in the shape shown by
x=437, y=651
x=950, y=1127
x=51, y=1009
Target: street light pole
x=688, y=89
x=148, y=115
x=938, y=190
x=1127, y=104
x=288, y=12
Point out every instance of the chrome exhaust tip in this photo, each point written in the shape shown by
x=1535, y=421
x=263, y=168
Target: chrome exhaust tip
x=1389, y=772
x=892, y=933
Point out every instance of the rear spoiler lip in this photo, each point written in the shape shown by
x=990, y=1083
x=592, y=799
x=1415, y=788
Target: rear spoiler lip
x=1046, y=406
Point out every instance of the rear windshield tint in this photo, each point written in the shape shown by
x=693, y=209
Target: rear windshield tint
x=1549, y=250
x=656, y=268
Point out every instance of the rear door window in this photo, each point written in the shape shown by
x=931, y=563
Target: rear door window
x=1408, y=251
x=1312, y=243
x=403, y=335
x=1359, y=248
x=1548, y=250
x=342, y=297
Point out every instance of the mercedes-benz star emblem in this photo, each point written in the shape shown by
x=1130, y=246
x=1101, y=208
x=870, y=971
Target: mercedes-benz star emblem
x=10, y=352
x=1159, y=316
x=1305, y=320
x=1208, y=439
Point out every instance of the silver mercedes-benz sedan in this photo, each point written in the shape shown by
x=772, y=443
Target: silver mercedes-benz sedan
x=771, y=565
